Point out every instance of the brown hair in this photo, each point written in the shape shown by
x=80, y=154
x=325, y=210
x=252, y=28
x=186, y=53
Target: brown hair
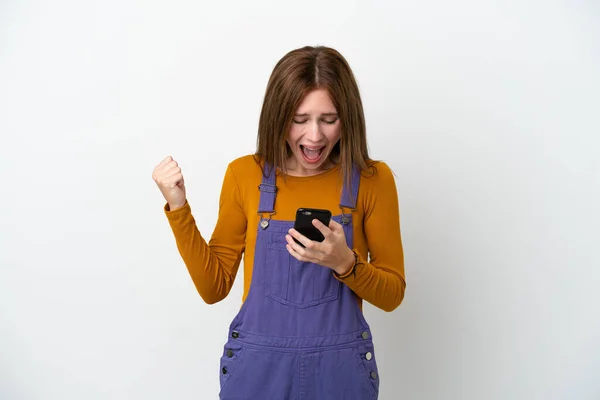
x=296, y=74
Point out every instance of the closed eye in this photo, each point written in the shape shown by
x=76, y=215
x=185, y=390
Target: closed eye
x=329, y=118
x=327, y=121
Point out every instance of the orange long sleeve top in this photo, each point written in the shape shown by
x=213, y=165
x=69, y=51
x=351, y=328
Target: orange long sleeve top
x=213, y=265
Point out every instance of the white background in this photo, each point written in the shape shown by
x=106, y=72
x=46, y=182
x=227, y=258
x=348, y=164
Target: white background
x=487, y=112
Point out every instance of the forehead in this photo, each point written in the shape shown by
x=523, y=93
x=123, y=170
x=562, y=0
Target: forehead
x=316, y=101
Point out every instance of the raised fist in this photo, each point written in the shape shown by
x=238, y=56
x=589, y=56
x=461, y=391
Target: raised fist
x=169, y=179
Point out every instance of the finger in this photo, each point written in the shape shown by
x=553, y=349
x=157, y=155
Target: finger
x=170, y=166
x=335, y=226
x=171, y=172
x=169, y=179
x=295, y=253
x=174, y=180
x=165, y=162
x=324, y=229
x=306, y=242
x=157, y=172
x=168, y=172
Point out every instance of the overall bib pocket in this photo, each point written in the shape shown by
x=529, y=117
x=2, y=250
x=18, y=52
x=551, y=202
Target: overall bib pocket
x=294, y=283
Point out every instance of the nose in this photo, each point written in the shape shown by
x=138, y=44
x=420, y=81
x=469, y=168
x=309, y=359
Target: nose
x=313, y=132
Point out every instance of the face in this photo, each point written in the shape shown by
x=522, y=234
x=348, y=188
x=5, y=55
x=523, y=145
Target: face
x=314, y=132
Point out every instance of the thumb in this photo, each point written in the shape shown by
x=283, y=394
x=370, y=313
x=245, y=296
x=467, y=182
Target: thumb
x=335, y=226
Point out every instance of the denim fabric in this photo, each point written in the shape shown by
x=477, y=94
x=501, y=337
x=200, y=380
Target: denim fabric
x=300, y=334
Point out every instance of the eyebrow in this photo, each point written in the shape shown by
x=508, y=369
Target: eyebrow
x=322, y=115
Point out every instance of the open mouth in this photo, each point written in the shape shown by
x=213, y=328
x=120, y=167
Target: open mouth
x=312, y=154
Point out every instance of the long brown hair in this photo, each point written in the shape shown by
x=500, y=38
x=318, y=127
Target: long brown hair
x=297, y=73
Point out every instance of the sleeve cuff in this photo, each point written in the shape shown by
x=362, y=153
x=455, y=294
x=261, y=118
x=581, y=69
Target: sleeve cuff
x=177, y=213
x=351, y=274
x=347, y=274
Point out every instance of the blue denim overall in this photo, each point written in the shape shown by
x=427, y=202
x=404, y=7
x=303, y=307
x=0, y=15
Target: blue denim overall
x=300, y=334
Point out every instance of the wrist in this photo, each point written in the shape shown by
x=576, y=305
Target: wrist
x=175, y=205
x=348, y=264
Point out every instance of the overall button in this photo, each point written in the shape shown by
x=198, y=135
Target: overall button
x=235, y=335
x=374, y=375
x=365, y=335
x=224, y=370
x=369, y=356
x=229, y=353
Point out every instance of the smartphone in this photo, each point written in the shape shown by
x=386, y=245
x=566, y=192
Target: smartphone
x=304, y=225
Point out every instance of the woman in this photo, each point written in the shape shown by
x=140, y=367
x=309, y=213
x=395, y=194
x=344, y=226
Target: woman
x=300, y=333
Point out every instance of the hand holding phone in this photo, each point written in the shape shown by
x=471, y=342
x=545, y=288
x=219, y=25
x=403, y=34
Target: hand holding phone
x=304, y=225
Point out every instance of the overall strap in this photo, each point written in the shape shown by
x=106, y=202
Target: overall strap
x=268, y=191
x=350, y=195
